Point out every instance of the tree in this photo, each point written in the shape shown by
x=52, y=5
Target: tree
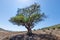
x=28, y=17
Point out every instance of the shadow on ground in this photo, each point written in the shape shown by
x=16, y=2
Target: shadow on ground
x=33, y=37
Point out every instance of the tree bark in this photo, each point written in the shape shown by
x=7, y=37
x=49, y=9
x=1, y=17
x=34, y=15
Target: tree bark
x=29, y=30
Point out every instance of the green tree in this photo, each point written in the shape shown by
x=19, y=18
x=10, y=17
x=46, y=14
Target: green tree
x=28, y=17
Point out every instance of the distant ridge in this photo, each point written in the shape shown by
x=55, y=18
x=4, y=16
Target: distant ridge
x=54, y=26
x=2, y=29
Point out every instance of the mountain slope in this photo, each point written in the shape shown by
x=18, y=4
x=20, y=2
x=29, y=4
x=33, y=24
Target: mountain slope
x=53, y=27
x=2, y=29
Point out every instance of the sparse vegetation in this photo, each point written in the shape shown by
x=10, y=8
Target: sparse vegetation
x=58, y=27
x=34, y=29
x=39, y=29
x=52, y=27
x=5, y=35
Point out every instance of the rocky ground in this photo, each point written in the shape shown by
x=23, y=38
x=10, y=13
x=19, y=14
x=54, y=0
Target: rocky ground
x=38, y=35
x=33, y=37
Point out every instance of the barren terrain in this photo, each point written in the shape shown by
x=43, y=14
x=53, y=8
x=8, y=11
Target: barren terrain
x=5, y=34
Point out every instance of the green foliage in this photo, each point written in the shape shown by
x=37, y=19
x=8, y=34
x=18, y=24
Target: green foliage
x=28, y=16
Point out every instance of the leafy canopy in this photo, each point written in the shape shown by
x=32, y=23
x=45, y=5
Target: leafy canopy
x=28, y=16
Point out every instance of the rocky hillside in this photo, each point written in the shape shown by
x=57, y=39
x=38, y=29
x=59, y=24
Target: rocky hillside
x=2, y=29
x=53, y=27
x=43, y=34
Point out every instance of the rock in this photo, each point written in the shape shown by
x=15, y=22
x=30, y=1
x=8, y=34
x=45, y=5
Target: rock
x=33, y=37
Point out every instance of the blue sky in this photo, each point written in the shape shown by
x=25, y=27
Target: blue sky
x=8, y=8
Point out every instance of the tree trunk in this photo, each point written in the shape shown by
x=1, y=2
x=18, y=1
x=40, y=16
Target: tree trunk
x=29, y=30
